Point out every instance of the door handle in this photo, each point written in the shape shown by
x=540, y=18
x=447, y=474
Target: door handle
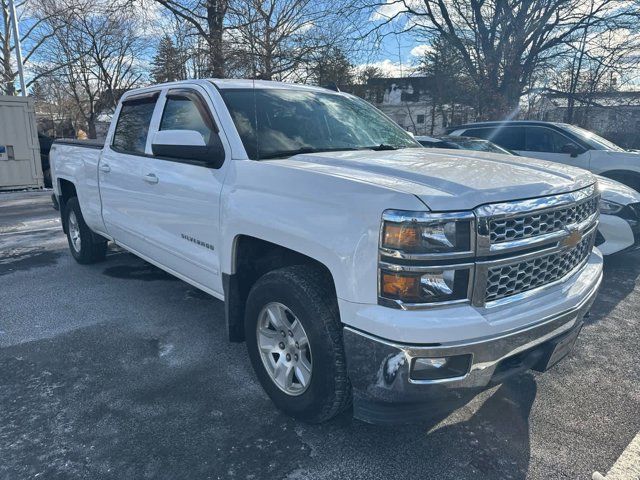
x=104, y=167
x=151, y=178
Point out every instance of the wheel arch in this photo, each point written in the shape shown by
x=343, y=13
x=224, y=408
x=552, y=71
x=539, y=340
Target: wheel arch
x=252, y=257
x=67, y=190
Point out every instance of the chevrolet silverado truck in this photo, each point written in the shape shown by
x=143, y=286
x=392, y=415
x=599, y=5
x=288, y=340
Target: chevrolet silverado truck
x=358, y=267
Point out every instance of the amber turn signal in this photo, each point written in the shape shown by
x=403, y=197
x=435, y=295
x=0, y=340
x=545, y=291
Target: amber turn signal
x=400, y=286
x=401, y=236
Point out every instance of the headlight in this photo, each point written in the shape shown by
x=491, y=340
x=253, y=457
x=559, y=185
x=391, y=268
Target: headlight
x=425, y=258
x=424, y=233
x=609, y=208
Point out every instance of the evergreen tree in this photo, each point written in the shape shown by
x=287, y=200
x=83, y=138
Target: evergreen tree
x=168, y=63
x=451, y=84
x=332, y=67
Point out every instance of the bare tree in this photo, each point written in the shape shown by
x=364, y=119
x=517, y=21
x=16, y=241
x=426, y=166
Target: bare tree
x=207, y=19
x=278, y=37
x=42, y=19
x=596, y=62
x=95, y=58
x=501, y=42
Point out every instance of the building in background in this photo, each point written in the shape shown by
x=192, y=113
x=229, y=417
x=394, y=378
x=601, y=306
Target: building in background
x=410, y=103
x=614, y=115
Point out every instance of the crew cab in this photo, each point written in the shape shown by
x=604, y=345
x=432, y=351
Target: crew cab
x=560, y=142
x=356, y=265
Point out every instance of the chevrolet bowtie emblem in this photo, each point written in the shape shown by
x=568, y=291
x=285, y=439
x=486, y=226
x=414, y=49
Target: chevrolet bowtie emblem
x=572, y=239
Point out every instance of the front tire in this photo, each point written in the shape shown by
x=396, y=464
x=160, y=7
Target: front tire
x=294, y=339
x=86, y=247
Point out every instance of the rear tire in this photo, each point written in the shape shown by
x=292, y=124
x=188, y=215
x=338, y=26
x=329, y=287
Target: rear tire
x=316, y=372
x=86, y=247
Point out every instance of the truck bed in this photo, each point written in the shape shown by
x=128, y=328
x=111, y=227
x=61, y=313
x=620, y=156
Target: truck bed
x=97, y=144
x=76, y=162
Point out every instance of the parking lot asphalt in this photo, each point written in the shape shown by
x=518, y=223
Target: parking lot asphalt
x=118, y=370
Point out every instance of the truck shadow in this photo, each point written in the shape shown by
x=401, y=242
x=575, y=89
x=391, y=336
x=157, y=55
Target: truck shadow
x=488, y=441
x=135, y=269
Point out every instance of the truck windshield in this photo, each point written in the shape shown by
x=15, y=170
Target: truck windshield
x=276, y=123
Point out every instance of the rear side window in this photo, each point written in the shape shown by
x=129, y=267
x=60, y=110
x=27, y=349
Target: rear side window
x=182, y=113
x=133, y=125
x=507, y=137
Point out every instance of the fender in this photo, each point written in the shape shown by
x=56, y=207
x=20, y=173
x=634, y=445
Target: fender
x=330, y=228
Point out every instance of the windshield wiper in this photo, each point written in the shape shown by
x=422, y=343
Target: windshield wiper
x=303, y=150
x=382, y=146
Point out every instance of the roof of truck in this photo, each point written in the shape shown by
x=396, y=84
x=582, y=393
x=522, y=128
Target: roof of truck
x=229, y=83
x=224, y=83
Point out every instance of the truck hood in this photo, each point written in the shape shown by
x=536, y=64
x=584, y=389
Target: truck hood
x=447, y=181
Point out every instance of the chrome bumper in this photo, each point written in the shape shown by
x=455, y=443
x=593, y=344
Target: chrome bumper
x=380, y=370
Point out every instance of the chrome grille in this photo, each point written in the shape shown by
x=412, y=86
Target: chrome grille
x=538, y=223
x=511, y=279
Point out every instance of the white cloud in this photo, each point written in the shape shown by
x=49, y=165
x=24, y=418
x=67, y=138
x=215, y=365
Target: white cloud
x=393, y=8
x=388, y=68
x=420, y=50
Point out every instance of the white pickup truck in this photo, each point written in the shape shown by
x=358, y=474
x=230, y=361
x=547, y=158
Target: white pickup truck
x=355, y=264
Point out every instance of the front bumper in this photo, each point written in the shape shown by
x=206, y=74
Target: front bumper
x=380, y=370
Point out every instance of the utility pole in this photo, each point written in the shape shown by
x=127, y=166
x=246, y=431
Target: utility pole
x=16, y=35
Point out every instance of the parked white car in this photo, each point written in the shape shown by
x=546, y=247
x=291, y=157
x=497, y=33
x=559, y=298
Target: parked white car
x=353, y=262
x=619, y=228
x=562, y=143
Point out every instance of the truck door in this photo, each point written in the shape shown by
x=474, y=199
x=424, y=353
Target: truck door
x=182, y=194
x=120, y=171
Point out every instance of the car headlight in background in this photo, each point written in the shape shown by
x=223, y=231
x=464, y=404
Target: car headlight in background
x=414, y=248
x=608, y=207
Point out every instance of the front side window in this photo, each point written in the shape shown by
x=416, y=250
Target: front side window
x=541, y=139
x=283, y=122
x=132, y=128
x=182, y=113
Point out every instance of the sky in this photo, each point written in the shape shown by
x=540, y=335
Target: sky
x=396, y=55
